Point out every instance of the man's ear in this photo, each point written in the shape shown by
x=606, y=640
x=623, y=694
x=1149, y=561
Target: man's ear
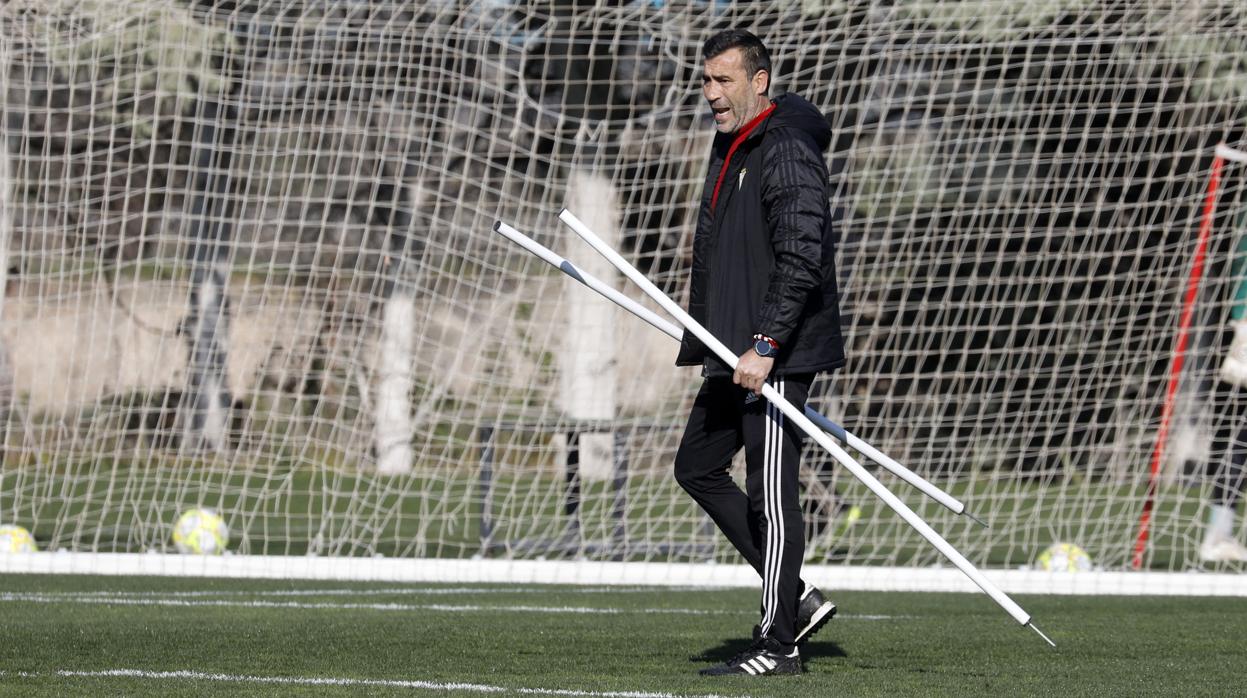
x=761, y=82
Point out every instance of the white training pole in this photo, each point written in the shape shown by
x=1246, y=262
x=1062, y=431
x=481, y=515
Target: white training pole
x=649, y=316
x=806, y=425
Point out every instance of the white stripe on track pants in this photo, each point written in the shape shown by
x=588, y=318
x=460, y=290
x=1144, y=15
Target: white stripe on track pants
x=764, y=524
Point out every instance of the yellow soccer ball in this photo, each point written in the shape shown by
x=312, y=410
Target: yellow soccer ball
x=201, y=532
x=1064, y=557
x=15, y=539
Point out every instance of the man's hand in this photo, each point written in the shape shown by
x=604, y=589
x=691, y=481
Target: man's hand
x=752, y=370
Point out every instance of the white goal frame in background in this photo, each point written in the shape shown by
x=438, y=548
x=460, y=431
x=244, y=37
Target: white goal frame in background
x=586, y=572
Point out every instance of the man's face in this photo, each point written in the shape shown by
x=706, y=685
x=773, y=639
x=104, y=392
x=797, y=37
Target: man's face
x=735, y=97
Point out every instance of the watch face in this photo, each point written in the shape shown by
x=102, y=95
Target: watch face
x=763, y=348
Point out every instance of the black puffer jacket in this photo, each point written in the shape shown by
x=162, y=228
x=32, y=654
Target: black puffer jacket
x=764, y=254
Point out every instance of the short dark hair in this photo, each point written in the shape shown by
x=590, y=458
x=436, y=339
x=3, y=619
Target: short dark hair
x=754, y=52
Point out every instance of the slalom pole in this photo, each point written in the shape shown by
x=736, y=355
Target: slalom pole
x=821, y=437
x=1221, y=154
x=649, y=316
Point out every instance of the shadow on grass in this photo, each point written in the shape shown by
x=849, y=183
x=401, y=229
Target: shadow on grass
x=730, y=648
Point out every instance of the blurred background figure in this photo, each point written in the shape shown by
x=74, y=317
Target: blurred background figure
x=1229, y=447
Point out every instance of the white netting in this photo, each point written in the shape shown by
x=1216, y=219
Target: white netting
x=251, y=266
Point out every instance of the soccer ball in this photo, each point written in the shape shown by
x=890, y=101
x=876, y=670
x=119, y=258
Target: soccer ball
x=201, y=532
x=1064, y=557
x=15, y=539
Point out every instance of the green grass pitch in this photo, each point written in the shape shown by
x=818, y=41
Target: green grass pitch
x=83, y=635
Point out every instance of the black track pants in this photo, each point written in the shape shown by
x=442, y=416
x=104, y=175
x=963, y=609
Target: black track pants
x=765, y=524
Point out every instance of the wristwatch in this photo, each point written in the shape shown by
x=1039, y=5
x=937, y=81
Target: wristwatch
x=765, y=346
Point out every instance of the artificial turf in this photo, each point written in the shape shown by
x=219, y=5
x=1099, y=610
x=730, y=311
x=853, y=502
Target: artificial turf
x=93, y=635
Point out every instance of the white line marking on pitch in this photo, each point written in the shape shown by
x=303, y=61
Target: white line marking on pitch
x=314, y=681
x=100, y=598
x=181, y=600
x=455, y=608
x=396, y=591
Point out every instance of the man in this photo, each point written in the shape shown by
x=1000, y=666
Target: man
x=763, y=282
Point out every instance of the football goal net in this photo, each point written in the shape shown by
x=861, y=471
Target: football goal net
x=250, y=266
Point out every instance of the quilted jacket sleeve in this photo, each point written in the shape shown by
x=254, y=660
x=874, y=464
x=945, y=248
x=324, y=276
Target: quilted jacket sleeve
x=794, y=194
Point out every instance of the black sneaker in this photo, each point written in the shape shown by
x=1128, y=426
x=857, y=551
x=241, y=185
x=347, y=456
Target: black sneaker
x=813, y=612
x=763, y=658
